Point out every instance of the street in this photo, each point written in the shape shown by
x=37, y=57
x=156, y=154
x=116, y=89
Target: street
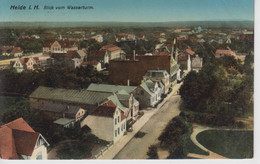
x=138, y=147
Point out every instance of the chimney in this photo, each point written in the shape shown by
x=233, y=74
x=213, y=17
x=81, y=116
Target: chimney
x=134, y=55
x=128, y=82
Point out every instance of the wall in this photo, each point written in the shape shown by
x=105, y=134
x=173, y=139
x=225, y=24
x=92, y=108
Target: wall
x=121, y=71
x=119, y=126
x=100, y=126
x=41, y=149
x=144, y=100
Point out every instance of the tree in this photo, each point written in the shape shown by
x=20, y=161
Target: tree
x=152, y=152
x=171, y=134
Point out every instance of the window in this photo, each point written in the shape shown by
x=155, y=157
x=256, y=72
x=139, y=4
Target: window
x=39, y=156
x=118, y=131
x=115, y=121
x=142, y=92
x=118, y=119
x=122, y=127
x=153, y=74
x=115, y=133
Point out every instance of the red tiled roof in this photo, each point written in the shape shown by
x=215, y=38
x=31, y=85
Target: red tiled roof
x=141, y=35
x=121, y=34
x=5, y=48
x=16, y=138
x=25, y=141
x=189, y=51
x=226, y=52
x=25, y=60
x=110, y=47
x=182, y=58
x=63, y=43
x=36, y=58
x=249, y=37
x=19, y=124
x=17, y=50
x=107, y=109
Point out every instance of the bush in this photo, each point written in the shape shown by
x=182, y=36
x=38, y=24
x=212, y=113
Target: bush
x=152, y=152
x=171, y=134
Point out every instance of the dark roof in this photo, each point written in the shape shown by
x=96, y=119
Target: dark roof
x=183, y=58
x=97, y=54
x=107, y=109
x=122, y=71
x=162, y=53
x=123, y=116
x=69, y=95
x=60, y=108
x=93, y=63
x=110, y=47
x=109, y=88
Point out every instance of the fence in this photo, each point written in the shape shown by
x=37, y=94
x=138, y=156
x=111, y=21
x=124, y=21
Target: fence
x=103, y=150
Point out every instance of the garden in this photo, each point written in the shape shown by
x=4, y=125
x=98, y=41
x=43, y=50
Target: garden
x=228, y=143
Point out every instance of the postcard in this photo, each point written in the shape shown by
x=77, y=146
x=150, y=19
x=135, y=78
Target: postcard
x=118, y=79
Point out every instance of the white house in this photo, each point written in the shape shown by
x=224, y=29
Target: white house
x=98, y=38
x=19, y=141
x=17, y=52
x=18, y=66
x=61, y=46
x=95, y=64
x=148, y=93
x=107, y=122
x=196, y=63
x=158, y=76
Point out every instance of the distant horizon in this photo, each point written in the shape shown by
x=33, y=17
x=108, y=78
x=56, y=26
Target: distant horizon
x=234, y=20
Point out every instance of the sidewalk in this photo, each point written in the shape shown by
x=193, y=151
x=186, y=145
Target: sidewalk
x=115, y=149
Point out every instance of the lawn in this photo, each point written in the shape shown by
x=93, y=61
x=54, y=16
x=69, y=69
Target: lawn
x=192, y=148
x=228, y=143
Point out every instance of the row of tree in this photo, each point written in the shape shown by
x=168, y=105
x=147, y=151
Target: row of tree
x=70, y=78
x=223, y=87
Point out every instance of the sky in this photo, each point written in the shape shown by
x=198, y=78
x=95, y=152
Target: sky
x=130, y=10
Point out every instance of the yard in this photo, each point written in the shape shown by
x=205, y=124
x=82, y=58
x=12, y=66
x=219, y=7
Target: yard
x=228, y=143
